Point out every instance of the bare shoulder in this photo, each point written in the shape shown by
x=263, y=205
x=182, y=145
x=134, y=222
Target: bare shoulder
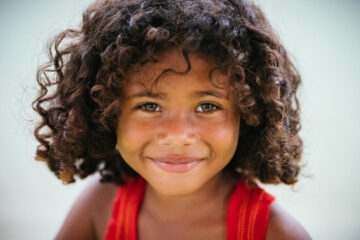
x=103, y=198
x=282, y=225
x=90, y=212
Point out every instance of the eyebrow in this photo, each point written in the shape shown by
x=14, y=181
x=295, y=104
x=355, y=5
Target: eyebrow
x=163, y=96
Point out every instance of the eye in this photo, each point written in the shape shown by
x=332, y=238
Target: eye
x=203, y=107
x=148, y=107
x=208, y=107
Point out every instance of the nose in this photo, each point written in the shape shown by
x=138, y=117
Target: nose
x=177, y=130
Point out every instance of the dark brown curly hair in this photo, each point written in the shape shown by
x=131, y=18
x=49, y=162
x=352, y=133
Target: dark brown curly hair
x=81, y=85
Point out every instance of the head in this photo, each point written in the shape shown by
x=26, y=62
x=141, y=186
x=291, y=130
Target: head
x=179, y=132
x=175, y=48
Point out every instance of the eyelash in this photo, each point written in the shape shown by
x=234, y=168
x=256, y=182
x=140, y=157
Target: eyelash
x=141, y=107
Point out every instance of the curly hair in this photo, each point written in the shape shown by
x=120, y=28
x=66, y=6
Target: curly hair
x=81, y=84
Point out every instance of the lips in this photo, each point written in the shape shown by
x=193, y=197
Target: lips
x=176, y=164
x=176, y=159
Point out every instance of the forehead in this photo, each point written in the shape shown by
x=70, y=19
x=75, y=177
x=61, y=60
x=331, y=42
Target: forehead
x=201, y=68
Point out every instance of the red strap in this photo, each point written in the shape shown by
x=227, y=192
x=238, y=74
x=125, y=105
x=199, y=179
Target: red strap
x=123, y=223
x=248, y=213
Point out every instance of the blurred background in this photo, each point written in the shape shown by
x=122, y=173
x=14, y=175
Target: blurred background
x=323, y=39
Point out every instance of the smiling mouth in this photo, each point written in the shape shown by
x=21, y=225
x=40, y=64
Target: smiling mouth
x=176, y=167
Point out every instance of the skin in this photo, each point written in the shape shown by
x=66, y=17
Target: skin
x=89, y=216
x=175, y=204
x=177, y=124
x=205, y=127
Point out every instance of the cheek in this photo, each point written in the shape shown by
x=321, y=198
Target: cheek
x=130, y=136
x=222, y=136
x=221, y=133
x=130, y=131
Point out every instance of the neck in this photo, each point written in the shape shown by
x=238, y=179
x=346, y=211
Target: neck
x=211, y=197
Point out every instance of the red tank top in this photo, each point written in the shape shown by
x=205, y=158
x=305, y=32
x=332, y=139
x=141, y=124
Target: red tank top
x=247, y=213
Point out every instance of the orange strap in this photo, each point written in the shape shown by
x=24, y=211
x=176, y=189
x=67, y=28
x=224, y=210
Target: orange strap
x=247, y=214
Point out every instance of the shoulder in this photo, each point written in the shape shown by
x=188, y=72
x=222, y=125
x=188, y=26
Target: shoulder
x=282, y=225
x=90, y=212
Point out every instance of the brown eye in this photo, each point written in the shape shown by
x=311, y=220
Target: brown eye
x=148, y=107
x=208, y=107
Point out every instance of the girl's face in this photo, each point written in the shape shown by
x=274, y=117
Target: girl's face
x=185, y=132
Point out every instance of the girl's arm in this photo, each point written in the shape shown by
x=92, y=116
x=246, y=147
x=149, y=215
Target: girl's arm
x=79, y=224
x=90, y=214
x=282, y=226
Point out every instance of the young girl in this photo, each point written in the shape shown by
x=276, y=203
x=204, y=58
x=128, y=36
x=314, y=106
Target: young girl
x=177, y=108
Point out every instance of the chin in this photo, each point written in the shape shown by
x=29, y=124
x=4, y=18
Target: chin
x=175, y=185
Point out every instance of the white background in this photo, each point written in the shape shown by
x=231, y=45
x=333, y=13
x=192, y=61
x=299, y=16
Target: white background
x=323, y=38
